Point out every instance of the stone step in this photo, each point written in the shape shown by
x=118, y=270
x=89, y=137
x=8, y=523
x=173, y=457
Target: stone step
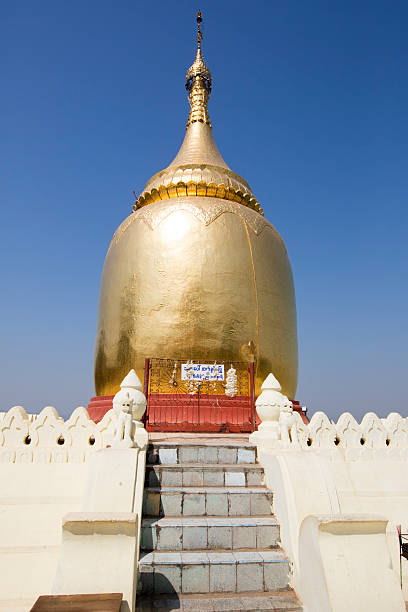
x=207, y=501
x=209, y=533
x=199, y=475
x=279, y=601
x=166, y=452
x=213, y=572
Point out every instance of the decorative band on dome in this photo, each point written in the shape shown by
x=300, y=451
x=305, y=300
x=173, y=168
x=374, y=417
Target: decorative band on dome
x=192, y=188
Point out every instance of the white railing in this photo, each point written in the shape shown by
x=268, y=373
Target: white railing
x=389, y=434
x=47, y=438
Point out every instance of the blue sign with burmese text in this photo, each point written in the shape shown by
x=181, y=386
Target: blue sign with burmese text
x=202, y=371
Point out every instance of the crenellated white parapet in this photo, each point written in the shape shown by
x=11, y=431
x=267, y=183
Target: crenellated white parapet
x=63, y=480
x=48, y=438
x=389, y=435
x=281, y=427
x=340, y=490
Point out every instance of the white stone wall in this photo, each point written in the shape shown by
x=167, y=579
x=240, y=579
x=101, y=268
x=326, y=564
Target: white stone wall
x=340, y=491
x=33, y=499
x=46, y=474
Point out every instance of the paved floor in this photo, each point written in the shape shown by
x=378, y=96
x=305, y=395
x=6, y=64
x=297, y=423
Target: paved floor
x=210, y=439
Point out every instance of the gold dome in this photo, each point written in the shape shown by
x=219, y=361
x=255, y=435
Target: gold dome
x=196, y=271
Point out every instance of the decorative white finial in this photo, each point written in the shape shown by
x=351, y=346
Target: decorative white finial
x=271, y=383
x=276, y=413
x=131, y=381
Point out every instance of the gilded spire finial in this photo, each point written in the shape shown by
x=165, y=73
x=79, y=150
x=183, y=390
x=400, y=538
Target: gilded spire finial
x=198, y=83
x=198, y=168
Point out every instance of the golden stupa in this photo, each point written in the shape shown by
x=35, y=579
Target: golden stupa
x=196, y=271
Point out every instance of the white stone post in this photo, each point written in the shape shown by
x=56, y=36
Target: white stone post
x=129, y=404
x=271, y=406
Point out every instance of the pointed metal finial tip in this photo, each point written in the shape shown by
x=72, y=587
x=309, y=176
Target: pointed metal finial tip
x=199, y=33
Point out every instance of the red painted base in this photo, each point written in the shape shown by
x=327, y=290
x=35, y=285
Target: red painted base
x=99, y=406
x=204, y=413
x=211, y=413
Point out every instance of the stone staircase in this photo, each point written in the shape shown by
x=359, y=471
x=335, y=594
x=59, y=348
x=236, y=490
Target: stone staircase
x=209, y=540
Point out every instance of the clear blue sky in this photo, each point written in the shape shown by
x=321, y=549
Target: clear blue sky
x=309, y=104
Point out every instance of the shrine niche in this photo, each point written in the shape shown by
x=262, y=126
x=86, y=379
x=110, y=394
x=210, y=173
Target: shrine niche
x=185, y=395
